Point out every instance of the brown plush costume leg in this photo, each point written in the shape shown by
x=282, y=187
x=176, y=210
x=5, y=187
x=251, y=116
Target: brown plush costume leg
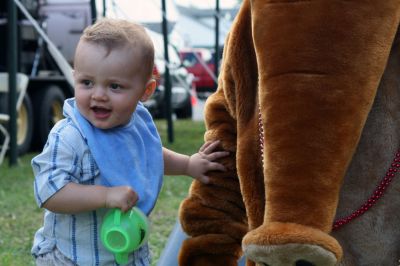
x=214, y=215
x=319, y=64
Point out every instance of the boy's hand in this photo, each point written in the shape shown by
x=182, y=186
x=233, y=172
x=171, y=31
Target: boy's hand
x=122, y=197
x=203, y=161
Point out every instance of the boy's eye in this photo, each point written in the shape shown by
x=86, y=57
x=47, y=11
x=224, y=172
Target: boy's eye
x=87, y=83
x=115, y=86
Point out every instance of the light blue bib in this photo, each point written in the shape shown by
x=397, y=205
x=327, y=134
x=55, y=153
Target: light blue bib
x=128, y=155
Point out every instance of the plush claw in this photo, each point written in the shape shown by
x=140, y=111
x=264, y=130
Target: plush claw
x=290, y=255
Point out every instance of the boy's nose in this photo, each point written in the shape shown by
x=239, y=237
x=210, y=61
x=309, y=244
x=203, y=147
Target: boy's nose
x=99, y=93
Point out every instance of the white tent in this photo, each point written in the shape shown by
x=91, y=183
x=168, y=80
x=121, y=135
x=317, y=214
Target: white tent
x=185, y=27
x=207, y=4
x=196, y=21
x=148, y=13
x=198, y=33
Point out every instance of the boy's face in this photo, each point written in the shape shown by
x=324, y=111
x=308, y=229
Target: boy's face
x=109, y=86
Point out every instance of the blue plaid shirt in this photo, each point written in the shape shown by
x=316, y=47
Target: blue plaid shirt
x=66, y=158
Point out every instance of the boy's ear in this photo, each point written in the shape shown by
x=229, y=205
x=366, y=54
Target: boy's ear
x=149, y=90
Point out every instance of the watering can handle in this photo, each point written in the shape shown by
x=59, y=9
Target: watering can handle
x=121, y=258
x=117, y=217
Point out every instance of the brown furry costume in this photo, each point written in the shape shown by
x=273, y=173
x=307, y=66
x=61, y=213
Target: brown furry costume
x=313, y=69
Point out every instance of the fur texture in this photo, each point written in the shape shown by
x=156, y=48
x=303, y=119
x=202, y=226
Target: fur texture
x=313, y=68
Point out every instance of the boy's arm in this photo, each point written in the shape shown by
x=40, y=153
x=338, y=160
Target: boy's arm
x=196, y=165
x=174, y=163
x=75, y=198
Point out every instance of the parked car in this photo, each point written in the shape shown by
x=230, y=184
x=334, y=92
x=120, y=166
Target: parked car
x=181, y=98
x=200, y=62
x=182, y=85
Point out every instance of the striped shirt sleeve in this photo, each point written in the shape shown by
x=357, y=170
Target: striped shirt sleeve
x=56, y=165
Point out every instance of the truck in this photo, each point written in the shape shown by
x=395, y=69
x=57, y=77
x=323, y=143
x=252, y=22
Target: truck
x=48, y=32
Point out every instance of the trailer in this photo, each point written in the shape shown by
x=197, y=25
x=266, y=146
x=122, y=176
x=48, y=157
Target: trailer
x=47, y=33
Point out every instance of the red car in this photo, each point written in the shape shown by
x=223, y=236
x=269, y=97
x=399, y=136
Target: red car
x=199, y=62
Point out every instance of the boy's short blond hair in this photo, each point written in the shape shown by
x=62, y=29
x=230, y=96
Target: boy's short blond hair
x=114, y=33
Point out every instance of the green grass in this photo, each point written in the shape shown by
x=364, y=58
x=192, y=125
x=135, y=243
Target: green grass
x=20, y=217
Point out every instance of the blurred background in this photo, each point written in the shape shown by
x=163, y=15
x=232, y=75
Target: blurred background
x=48, y=32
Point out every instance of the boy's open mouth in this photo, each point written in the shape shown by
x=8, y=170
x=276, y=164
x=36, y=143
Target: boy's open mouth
x=101, y=112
